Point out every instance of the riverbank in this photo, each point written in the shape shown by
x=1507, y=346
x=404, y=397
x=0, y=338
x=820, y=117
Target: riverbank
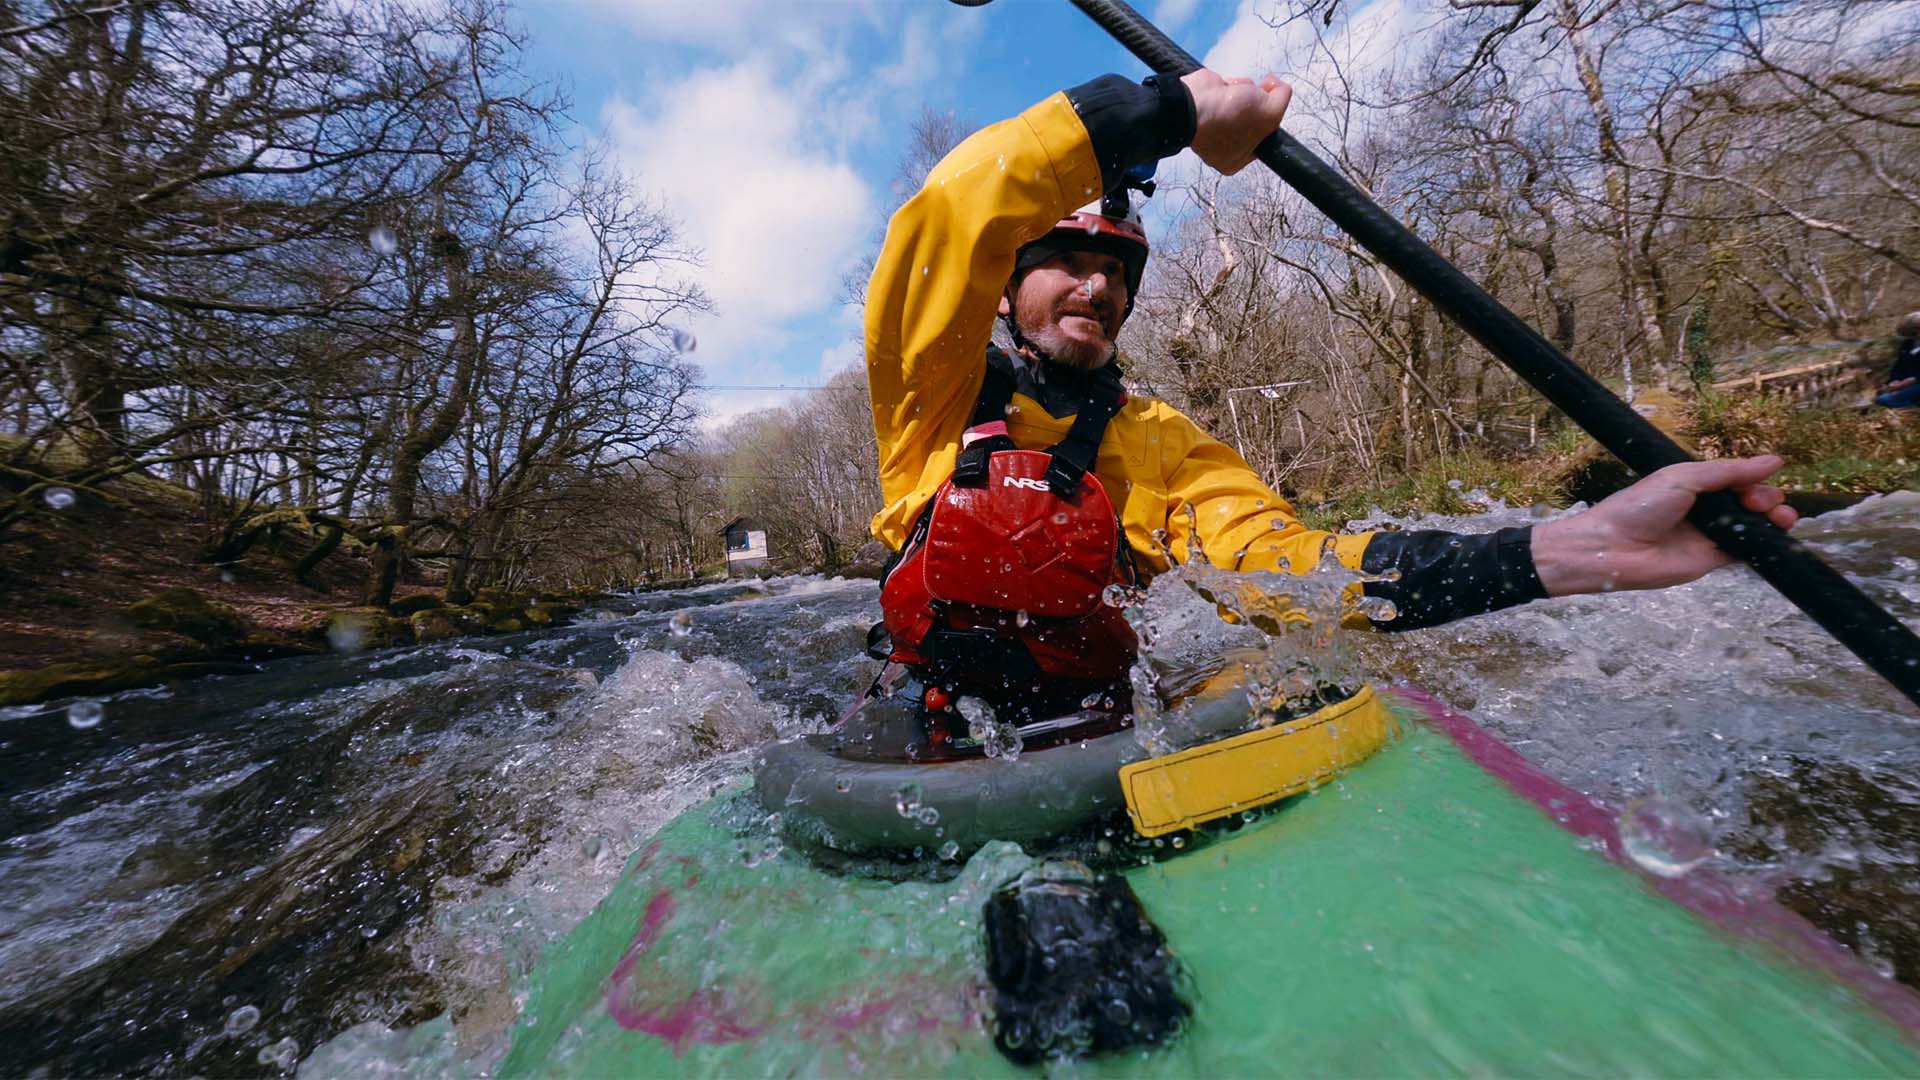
x=111, y=590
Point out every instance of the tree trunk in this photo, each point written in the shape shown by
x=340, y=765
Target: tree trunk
x=404, y=482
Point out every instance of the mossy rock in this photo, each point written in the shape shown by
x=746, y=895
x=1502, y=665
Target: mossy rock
x=267, y=645
x=500, y=599
x=439, y=624
x=186, y=612
x=537, y=615
x=509, y=625
x=409, y=605
x=868, y=562
x=358, y=629
x=64, y=680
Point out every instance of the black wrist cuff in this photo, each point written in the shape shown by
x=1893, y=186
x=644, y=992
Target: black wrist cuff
x=1177, y=119
x=1132, y=123
x=1446, y=576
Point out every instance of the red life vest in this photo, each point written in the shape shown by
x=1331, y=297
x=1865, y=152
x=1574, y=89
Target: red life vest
x=1001, y=584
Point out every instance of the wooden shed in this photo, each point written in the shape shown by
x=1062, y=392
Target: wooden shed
x=746, y=543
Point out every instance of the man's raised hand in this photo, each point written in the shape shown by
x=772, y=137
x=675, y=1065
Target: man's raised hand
x=1231, y=116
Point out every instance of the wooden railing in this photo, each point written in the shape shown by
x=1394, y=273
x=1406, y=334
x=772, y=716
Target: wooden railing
x=1808, y=383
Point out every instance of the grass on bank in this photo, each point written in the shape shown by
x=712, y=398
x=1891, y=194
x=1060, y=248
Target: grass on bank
x=1829, y=450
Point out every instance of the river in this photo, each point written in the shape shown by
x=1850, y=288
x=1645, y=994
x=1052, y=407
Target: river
x=219, y=877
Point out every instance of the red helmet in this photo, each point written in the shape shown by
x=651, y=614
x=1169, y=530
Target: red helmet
x=1109, y=226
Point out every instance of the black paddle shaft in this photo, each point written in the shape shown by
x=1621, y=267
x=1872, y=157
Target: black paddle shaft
x=1814, y=587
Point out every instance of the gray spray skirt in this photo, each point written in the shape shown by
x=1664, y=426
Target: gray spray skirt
x=853, y=805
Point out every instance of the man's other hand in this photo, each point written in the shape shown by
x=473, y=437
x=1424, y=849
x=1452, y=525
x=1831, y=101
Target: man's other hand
x=1231, y=116
x=1639, y=538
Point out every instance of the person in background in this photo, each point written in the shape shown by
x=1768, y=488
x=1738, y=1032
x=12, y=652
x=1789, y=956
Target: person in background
x=1903, y=382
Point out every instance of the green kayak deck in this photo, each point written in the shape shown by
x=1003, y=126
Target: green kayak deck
x=1425, y=915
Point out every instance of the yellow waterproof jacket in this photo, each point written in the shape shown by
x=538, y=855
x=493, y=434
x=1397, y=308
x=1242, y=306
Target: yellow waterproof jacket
x=931, y=307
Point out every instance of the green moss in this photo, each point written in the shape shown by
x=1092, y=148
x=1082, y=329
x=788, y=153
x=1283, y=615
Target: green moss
x=63, y=680
x=186, y=612
x=268, y=645
x=1846, y=473
x=352, y=630
x=439, y=624
x=408, y=605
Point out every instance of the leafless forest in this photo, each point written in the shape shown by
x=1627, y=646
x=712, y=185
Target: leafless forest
x=336, y=268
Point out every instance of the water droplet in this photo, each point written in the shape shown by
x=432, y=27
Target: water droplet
x=925, y=270
x=280, y=1055
x=927, y=815
x=85, y=714
x=949, y=850
x=1179, y=841
x=1116, y=595
x=842, y=785
x=347, y=634
x=241, y=1020
x=681, y=624
x=1455, y=484
x=1665, y=836
x=1021, y=618
x=906, y=799
x=1060, y=518
x=382, y=240
x=58, y=497
x=226, y=577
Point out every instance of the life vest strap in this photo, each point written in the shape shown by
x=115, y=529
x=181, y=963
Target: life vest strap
x=1075, y=454
x=988, y=431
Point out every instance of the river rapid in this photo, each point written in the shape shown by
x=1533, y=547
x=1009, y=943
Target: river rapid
x=347, y=865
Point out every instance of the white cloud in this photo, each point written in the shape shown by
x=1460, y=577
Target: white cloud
x=1171, y=15
x=730, y=26
x=838, y=358
x=723, y=407
x=734, y=153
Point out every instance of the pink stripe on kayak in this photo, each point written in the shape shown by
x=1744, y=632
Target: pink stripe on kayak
x=1711, y=896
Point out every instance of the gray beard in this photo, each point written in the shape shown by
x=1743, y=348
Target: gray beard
x=1054, y=345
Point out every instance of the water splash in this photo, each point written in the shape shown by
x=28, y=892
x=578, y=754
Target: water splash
x=996, y=738
x=382, y=240
x=59, y=498
x=1283, y=629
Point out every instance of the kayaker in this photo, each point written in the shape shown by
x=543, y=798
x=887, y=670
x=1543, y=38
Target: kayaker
x=1001, y=558
x=1903, y=382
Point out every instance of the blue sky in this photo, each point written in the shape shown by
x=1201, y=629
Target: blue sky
x=772, y=130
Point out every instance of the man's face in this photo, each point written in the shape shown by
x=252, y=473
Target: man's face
x=1071, y=307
